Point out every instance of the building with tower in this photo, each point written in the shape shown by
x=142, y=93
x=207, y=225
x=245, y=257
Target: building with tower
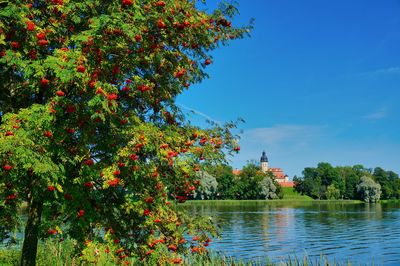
x=278, y=173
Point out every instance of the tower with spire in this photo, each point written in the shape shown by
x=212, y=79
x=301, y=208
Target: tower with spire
x=264, y=162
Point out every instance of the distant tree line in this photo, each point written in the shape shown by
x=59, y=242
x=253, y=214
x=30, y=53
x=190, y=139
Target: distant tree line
x=348, y=182
x=219, y=182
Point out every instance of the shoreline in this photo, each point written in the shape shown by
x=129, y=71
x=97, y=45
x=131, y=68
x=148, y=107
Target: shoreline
x=273, y=201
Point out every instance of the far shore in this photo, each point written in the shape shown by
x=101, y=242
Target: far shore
x=273, y=201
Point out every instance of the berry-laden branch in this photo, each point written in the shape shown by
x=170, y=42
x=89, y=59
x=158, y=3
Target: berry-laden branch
x=88, y=108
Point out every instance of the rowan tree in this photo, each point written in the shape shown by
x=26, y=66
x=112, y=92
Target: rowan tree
x=91, y=138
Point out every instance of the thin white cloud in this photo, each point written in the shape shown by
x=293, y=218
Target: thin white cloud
x=394, y=70
x=283, y=144
x=389, y=70
x=378, y=115
x=278, y=134
x=294, y=147
x=197, y=112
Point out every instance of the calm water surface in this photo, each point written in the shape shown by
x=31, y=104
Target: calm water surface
x=361, y=233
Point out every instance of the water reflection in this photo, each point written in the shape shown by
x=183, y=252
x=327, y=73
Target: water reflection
x=361, y=233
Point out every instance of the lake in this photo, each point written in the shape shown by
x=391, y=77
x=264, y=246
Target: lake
x=356, y=232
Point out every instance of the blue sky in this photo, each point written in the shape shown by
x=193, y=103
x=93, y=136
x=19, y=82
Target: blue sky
x=317, y=81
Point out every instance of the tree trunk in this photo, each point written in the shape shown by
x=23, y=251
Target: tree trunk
x=29, y=248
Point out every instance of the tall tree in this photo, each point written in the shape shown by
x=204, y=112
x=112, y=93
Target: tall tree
x=369, y=190
x=268, y=188
x=382, y=177
x=329, y=175
x=91, y=136
x=332, y=192
x=246, y=185
x=312, y=183
x=252, y=184
x=223, y=174
x=208, y=186
x=395, y=181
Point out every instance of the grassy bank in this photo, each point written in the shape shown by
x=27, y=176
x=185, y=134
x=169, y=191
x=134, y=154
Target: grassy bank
x=390, y=201
x=289, y=196
x=278, y=202
x=62, y=254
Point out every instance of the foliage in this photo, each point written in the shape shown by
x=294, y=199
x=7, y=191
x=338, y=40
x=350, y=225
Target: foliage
x=246, y=183
x=250, y=184
x=327, y=182
x=389, y=182
x=310, y=184
x=225, y=180
x=91, y=137
x=62, y=253
x=207, y=188
x=332, y=192
x=351, y=175
x=268, y=188
x=253, y=184
x=369, y=190
x=9, y=257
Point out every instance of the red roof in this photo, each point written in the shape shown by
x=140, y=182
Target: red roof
x=236, y=172
x=278, y=173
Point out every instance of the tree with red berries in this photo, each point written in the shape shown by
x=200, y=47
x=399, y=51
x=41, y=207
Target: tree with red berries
x=91, y=138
